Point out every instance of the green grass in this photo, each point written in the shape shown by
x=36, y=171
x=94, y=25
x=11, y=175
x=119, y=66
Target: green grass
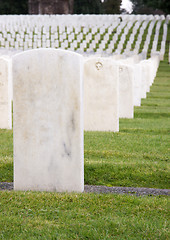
x=136, y=156
x=151, y=39
x=136, y=37
x=30, y=215
x=144, y=37
x=139, y=154
x=6, y=155
x=127, y=37
x=160, y=36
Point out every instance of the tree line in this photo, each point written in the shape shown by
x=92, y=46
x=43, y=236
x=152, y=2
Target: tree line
x=151, y=6
x=80, y=6
x=92, y=6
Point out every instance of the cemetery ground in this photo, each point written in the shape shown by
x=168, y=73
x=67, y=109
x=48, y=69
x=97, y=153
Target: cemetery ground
x=137, y=156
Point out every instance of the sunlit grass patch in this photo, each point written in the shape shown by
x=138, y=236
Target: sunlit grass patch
x=30, y=215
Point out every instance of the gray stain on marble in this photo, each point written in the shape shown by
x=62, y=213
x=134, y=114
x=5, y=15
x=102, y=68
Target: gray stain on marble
x=55, y=92
x=73, y=122
x=66, y=150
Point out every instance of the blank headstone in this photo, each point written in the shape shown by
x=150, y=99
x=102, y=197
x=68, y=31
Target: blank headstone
x=137, y=84
x=101, y=95
x=48, y=121
x=126, y=81
x=145, y=78
x=5, y=94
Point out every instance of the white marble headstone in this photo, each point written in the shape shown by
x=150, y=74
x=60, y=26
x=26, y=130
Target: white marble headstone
x=126, y=81
x=137, y=84
x=101, y=95
x=145, y=86
x=5, y=93
x=48, y=121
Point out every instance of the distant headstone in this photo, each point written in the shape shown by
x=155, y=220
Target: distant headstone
x=137, y=93
x=126, y=81
x=144, y=78
x=134, y=64
x=101, y=95
x=48, y=121
x=5, y=94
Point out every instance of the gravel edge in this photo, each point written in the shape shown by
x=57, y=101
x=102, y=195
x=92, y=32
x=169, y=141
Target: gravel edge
x=9, y=186
x=127, y=190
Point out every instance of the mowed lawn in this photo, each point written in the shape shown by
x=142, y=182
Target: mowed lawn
x=30, y=215
x=136, y=156
x=139, y=154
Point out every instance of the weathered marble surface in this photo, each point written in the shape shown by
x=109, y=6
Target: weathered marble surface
x=134, y=63
x=149, y=67
x=156, y=60
x=137, y=84
x=5, y=94
x=148, y=75
x=144, y=78
x=153, y=64
x=48, y=121
x=126, y=81
x=101, y=95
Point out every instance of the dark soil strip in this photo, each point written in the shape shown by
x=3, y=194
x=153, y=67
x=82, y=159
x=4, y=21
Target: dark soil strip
x=103, y=189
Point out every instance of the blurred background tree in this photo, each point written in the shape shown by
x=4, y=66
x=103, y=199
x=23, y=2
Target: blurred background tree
x=79, y=6
x=92, y=6
x=151, y=6
x=13, y=6
x=97, y=6
x=111, y=6
x=87, y=6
